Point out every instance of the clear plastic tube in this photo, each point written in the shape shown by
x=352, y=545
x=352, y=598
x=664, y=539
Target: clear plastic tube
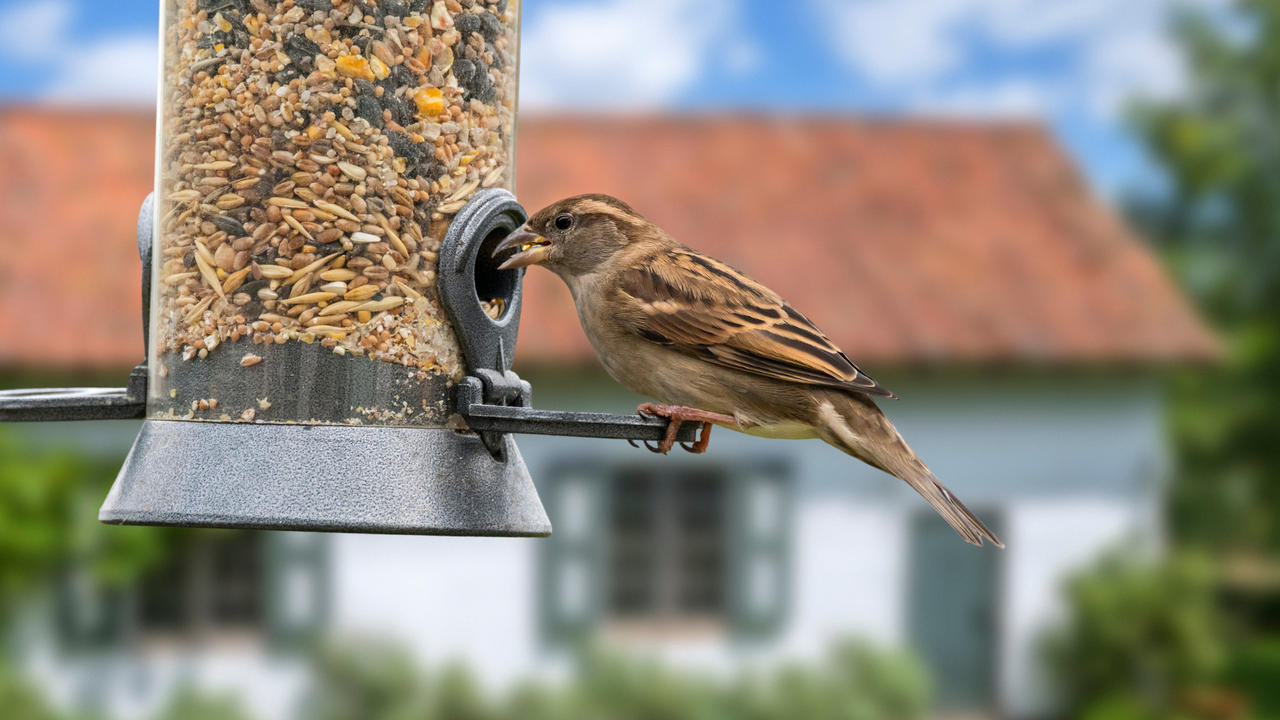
x=311, y=156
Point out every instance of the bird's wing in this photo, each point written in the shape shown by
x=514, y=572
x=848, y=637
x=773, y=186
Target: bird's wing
x=701, y=307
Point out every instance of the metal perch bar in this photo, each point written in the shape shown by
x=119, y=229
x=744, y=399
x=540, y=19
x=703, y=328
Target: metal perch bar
x=498, y=418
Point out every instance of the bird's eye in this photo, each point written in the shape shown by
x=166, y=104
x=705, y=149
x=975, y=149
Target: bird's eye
x=564, y=222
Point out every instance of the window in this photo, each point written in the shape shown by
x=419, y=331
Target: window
x=228, y=583
x=213, y=581
x=656, y=546
x=667, y=545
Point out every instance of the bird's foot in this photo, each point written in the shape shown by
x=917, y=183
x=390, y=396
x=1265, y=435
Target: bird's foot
x=677, y=415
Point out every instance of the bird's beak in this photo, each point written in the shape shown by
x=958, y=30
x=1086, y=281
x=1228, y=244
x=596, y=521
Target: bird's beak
x=532, y=248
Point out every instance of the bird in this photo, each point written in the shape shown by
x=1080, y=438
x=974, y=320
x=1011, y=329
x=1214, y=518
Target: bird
x=713, y=346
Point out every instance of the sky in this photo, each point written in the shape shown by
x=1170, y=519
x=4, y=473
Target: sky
x=1072, y=64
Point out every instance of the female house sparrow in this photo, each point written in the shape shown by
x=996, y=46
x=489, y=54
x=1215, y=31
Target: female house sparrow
x=713, y=345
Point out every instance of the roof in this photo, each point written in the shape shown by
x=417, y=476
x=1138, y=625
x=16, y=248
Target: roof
x=906, y=241
x=71, y=184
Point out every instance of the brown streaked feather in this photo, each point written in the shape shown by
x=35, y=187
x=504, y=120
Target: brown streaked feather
x=703, y=308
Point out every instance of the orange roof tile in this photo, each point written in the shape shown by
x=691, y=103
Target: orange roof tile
x=906, y=241
x=71, y=184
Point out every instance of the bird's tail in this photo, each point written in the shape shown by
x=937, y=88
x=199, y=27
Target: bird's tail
x=855, y=425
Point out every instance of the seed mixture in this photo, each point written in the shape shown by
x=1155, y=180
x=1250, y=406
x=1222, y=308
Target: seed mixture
x=313, y=153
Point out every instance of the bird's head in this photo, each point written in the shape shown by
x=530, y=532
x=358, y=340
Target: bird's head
x=576, y=235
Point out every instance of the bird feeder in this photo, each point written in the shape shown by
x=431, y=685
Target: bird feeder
x=329, y=341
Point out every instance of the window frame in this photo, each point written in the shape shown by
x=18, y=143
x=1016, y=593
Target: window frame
x=586, y=549
x=92, y=617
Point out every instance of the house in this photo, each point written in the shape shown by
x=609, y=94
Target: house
x=965, y=265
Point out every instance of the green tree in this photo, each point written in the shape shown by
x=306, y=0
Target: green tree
x=49, y=502
x=1220, y=224
x=1139, y=636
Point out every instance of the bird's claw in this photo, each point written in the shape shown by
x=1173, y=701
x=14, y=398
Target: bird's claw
x=677, y=416
x=659, y=449
x=647, y=446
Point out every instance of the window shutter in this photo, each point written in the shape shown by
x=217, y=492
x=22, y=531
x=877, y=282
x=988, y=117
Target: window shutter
x=297, y=585
x=759, y=542
x=572, y=585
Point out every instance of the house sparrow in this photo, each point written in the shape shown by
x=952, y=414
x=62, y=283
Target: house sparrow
x=712, y=345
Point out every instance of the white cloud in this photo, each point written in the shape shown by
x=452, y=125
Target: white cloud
x=928, y=50
x=114, y=72
x=121, y=70
x=622, y=54
x=897, y=41
x=1017, y=98
x=34, y=30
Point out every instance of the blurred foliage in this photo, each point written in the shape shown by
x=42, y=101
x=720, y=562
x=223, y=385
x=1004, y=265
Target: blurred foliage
x=366, y=679
x=1220, y=225
x=377, y=681
x=191, y=704
x=1255, y=669
x=49, y=521
x=859, y=682
x=1142, y=640
x=20, y=700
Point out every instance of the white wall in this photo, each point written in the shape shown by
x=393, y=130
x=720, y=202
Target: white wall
x=850, y=574
x=1047, y=541
x=446, y=598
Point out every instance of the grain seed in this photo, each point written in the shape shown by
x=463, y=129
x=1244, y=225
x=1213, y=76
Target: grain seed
x=338, y=274
x=275, y=272
x=364, y=292
x=354, y=172
x=286, y=203
x=309, y=298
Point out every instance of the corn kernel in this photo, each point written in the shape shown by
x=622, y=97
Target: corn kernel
x=380, y=69
x=355, y=67
x=430, y=102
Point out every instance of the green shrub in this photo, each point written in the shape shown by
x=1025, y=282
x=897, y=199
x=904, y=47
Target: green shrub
x=1138, y=637
x=20, y=700
x=1255, y=670
x=191, y=704
x=49, y=502
x=365, y=680
x=857, y=682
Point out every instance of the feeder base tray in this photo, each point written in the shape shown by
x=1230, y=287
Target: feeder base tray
x=411, y=481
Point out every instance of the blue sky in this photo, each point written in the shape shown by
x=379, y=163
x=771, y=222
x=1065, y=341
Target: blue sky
x=1071, y=63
